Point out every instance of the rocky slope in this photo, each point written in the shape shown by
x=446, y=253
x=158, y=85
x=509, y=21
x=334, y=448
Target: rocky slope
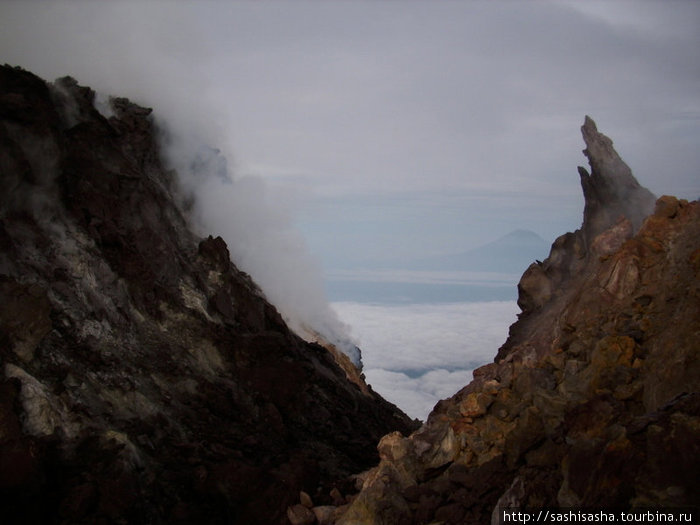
x=144, y=378
x=593, y=399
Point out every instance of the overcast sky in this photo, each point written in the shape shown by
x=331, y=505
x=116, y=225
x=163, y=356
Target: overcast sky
x=396, y=129
x=375, y=131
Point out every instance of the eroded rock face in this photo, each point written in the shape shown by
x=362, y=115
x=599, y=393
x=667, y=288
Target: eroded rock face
x=593, y=400
x=615, y=207
x=610, y=191
x=144, y=379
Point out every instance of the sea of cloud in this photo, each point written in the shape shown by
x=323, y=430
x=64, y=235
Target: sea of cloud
x=417, y=354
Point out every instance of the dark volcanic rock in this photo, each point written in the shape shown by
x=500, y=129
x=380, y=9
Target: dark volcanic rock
x=593, y=400
x=615, y=207
x=144, y=378
x=610, y=191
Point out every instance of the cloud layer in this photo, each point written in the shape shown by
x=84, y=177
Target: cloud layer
x=417, y=354
x=385, y=130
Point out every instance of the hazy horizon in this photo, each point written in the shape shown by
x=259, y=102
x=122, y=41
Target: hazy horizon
x=396, y=128
x=362, y=133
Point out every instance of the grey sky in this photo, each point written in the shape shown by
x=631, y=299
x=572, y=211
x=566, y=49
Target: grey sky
x=396, y=129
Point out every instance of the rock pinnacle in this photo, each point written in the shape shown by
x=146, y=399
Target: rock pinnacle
x=611, y=191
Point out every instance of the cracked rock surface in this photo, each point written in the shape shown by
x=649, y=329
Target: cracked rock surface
x=593, y=399
x=143, y=377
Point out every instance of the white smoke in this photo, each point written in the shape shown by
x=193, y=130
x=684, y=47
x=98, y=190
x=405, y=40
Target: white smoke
x=261, y=237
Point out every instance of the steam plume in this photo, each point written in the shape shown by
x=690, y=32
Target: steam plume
x=260, y=235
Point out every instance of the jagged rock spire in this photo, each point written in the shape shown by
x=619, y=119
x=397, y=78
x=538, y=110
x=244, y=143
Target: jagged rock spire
x=610, y=190
x=615, y=207
x=595, y=390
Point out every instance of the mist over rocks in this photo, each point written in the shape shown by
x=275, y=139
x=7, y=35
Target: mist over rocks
x=260, y=233
x=610, y=190
x=592, y=401
x=145, y=377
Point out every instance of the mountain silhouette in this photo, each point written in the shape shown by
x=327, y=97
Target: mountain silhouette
x=508, y=254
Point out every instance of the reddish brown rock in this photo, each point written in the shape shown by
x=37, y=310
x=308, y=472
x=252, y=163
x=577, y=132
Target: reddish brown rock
x=593, y=399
